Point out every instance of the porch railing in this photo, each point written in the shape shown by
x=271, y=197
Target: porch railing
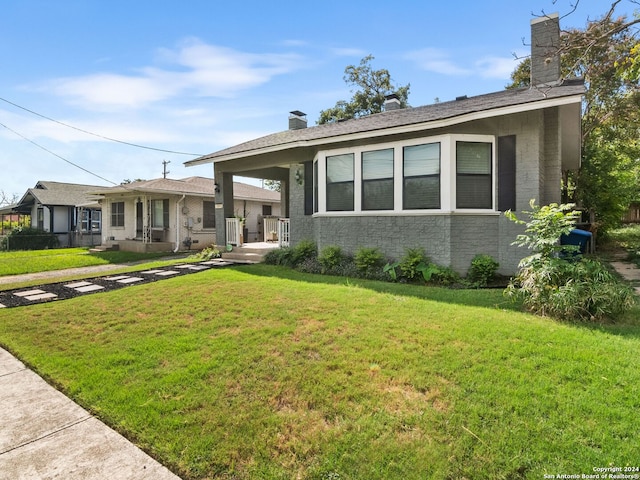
x=233, y=231
x=284, y=230
x=270, y=226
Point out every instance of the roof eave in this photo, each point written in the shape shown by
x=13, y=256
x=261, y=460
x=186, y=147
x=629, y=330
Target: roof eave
x=402, y=129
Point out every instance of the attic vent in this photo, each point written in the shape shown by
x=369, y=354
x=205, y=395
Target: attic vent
x=461, y=97
x=297, y=120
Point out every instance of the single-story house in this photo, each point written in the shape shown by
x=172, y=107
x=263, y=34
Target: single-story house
x=170, y=215
x=67, y=210
x=437, y=176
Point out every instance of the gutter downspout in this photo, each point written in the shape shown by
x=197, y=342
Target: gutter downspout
x=178, y=223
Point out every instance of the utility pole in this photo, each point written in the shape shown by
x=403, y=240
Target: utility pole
x=164, y=168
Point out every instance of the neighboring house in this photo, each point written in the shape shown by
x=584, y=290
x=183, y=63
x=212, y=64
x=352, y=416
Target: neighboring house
x=9, y=219
x=171, y=215
x=437, y=176
x=66, y=209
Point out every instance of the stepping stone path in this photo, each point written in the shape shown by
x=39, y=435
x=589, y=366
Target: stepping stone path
x=65, y=290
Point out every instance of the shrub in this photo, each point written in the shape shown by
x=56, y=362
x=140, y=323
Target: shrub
x=483, y=270
x=280, y=256
x=413, y=262
x=368, y=260
x=582, y=290
x=563, y=286
x=303, y=250
x=27, y=238
x=309, y=265
x=291, y=256
x=207, y=253
x=330, y=258
x=445, y=276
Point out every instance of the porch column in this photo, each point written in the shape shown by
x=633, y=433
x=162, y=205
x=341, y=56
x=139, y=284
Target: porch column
x=224, y=203
x=284, y=198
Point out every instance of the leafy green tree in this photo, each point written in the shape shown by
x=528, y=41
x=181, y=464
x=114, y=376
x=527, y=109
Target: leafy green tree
x=605, y=54
x=372, y=88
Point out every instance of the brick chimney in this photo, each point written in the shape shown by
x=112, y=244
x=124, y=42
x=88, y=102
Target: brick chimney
x=545, y=43
x=297, y=120
x=391, y=102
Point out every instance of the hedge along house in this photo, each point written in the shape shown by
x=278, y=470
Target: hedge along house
x=67, y=210
x=170, y=215
x=437, y=176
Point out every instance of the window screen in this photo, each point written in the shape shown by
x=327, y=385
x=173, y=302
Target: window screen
x=473, y=175
x=421, y=172
x=377, y=180
x=340, y=182
x=208, y=214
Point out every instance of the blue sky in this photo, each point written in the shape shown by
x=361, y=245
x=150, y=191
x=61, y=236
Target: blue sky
x=197, y=76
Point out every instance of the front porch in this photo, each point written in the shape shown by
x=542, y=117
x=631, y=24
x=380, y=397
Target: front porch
x=275, y=232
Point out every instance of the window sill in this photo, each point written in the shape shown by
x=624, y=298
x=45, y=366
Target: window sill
x=407, y=213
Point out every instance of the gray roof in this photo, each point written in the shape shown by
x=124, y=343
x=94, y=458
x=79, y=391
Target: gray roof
x=58, y=193
x=193, y=186
x=420, y=117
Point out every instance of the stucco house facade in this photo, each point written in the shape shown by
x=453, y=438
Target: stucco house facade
x=170, y=215
x=437, y=176
x=67, y=210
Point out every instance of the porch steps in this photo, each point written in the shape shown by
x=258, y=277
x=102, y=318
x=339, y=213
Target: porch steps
x=245, y=254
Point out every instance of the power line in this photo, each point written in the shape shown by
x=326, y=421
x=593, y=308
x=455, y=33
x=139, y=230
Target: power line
x=96, y=134
x=56, y=155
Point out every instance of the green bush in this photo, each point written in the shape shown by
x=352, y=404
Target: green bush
x=412, y=264
x=291, y=256
x=368, y=260
x=550, y=282
x=331, y=258
x=483, y=270
x=27, y=238
x=571, y=290
x=280, y=256
x=207, y=253
x=303, y=250
x=445, y=276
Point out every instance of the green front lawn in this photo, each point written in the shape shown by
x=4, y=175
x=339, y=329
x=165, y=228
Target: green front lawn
x=262, y=372
x=20, y=262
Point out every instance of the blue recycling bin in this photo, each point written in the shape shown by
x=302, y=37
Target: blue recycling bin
x=577, y=237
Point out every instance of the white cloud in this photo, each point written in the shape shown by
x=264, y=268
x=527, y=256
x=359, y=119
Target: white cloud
x=436, y=60
x=205, y=70
x=496, y=67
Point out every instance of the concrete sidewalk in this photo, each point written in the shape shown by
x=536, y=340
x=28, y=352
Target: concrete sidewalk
x=44, y=435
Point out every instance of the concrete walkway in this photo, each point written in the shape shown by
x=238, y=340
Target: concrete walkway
x=628, y=271
x=44, y=435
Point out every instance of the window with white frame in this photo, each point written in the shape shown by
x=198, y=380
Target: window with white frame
x=421, y=177
x=340, y=183
x=377, y=180
x=117, y=214
x=160, y=213
x=439, y=173
x=474, y=175
x=96, y=220
x=90, y=220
